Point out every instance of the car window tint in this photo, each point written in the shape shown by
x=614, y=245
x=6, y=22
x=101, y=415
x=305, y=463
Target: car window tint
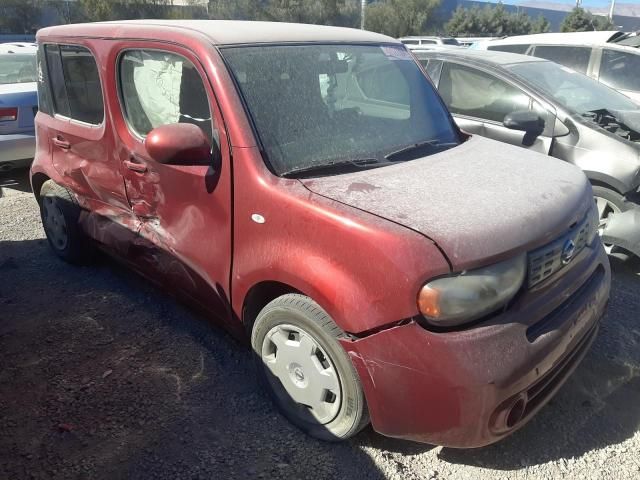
x=576, y=58
x=56, y=78
x=428, y=42
x=474, y=93
x=522, y=49
x=82, y=82
x=161, y=88
x=620, y=70
x=411, y=42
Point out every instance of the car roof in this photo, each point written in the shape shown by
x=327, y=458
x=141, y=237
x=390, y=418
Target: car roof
x=221, y=32
x=491, y=57
x=570, y=38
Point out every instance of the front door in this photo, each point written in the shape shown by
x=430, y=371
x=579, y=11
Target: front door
x=185, y=210
x=479, y=101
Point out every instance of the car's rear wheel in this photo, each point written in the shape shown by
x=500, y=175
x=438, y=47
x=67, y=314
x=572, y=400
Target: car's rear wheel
x=305, y=370
x=60, y=212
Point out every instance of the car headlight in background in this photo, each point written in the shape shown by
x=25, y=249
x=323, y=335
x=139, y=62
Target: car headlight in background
x=472, y=294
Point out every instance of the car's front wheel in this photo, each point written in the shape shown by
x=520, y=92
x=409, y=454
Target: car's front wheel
x=305, y=370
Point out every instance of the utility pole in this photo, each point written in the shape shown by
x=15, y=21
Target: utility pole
x=363, y=9
x=613, y=6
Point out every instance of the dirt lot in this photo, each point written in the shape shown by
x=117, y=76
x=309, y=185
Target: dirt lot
x=102, y=376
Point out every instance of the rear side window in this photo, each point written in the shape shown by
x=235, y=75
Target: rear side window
x=620, y=70
x=411, y=42
x=521, y=49
x=75, y=83
x=474, y=93
x=44, y=94
x=160, y=88
x=576, y=58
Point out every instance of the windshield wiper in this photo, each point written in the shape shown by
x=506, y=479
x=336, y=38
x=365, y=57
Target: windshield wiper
x=355, y=164
x=437, y=144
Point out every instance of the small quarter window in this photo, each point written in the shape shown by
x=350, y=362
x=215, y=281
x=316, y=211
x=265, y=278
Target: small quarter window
x=160, y=88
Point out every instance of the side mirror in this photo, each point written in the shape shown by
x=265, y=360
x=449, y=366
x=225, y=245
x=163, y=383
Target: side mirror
x=178, y=144
x=526, y=121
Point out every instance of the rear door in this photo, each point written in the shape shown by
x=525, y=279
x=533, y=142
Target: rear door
x=479, y=101
x=184, y=210
x=80, y=131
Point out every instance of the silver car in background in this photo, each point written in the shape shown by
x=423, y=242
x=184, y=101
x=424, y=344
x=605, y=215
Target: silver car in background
x=18, y=104
x=596, y=54
x=549, y=108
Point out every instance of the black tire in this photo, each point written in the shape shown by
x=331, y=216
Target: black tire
x=76, y=247
x=302, y=312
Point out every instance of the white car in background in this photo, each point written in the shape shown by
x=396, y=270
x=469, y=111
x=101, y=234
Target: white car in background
x=595, y=54
x=18, y=104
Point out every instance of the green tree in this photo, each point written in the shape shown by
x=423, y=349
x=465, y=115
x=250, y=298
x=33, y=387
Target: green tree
x=493, y=20
x=399, y=18
x=541, y=25
x=580, y=20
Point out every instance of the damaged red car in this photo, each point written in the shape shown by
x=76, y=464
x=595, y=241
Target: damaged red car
x=308, y=189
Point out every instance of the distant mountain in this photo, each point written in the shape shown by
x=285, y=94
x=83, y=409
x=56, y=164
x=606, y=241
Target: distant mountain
x=623, y=9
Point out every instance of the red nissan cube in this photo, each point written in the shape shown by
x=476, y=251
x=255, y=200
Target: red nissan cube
x=307, y=187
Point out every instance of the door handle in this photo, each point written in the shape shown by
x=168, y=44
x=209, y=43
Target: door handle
x=136, y=167
x=61, y=143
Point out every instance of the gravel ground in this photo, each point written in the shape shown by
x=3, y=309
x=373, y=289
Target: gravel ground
x=103, y=376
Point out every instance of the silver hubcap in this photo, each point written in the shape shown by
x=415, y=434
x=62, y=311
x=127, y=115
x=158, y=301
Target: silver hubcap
x=301, y=372
x=605, y=208
x=54, y=223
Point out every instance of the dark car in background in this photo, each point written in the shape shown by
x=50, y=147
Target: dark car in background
x=18, y=104
x=551, y=109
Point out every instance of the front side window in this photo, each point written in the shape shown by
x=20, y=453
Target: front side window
x=320, y=105
x=576, y=58
x=160, y=88
x=474, y=93
x=620, y=70
x=75, y=83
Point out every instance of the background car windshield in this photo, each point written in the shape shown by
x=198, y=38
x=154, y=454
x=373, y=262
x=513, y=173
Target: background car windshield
x=17, y=68
x=574, y=91
x=315, y=105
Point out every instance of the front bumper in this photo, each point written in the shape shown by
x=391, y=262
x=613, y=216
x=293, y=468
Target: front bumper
x=471, y=388
x=17, y=147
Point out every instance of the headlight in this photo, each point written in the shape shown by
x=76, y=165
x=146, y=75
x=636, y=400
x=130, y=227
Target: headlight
x=471, y=294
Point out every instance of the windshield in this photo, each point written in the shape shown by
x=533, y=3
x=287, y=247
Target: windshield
x=318, y=105
x=17, y=68
x=576, y=92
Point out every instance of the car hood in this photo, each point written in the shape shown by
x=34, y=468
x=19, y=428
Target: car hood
x=479, y=202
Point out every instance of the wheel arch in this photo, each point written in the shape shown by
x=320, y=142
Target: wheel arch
x=37, y=180
x=259, y=295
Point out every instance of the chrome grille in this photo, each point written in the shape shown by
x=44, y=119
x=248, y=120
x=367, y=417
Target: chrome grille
x=549, y=259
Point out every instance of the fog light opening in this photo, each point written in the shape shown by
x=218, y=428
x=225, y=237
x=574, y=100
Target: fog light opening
x=515, y=414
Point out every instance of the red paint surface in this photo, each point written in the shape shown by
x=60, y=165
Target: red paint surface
x=190, y=228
